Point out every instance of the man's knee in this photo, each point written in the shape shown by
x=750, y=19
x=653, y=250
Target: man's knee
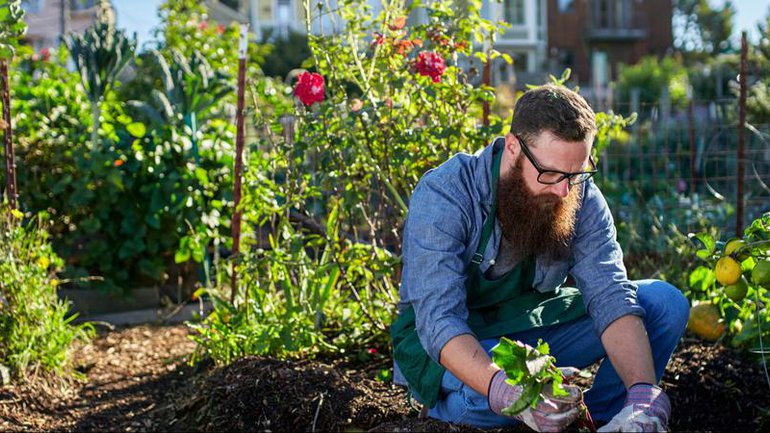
x=665, y=304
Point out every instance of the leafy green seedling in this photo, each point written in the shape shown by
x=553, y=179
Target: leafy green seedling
x=528, y=367
x=533, y=369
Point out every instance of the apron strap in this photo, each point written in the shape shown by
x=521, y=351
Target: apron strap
x=489, y=224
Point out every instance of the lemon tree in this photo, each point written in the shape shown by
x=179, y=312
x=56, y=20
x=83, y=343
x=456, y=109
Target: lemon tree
x=729, y=290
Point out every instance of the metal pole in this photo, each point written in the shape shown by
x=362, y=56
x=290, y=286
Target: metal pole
x=10, y=165
x=691, y=133
x=237, y=174
x=741, y=135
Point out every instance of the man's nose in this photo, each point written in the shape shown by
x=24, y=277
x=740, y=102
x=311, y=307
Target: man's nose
x=561, y=189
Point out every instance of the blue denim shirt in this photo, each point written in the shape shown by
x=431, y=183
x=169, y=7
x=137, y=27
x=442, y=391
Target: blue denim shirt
x=442, y=232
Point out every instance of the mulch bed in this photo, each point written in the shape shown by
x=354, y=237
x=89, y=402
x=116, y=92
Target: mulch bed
x=139, y=380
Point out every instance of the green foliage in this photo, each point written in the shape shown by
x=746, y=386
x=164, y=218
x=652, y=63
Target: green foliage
x=192, y=91
x=120, y=210
x=746, y=316
x=758, y=98
x=186, y=28
x=100, y=54
x=651, y=76
x=36, y=333
x=528, y=367
x=12, y=27
x=702, y=30
x=145, y=205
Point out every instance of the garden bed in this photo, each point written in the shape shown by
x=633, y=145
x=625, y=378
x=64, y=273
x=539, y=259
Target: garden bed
x=139, y=380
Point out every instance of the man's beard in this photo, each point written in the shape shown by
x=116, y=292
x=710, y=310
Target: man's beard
x=536, y=225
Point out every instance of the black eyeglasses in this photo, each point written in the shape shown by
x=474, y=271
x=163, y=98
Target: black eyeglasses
x=552, y=177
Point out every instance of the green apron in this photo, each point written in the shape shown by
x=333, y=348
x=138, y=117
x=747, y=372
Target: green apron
x=495, y=308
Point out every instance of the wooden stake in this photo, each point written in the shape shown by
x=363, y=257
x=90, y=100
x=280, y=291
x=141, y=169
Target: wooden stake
x=237, y=174
x=10, y=165
x=486, y=78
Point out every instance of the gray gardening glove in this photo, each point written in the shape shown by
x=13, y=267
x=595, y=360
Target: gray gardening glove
x=647, y=409
x=553, y=414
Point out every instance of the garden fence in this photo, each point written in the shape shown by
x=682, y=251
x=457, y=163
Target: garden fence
x=682, y=167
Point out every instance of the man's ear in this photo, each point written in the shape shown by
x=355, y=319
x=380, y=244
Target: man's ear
x=512, y=145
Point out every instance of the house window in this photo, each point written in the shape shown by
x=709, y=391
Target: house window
x=612, y=14
x=81, y=5
x=232, y=4
x=32, y=6
x=283, y=17
x=514, y=12
x=566, y=6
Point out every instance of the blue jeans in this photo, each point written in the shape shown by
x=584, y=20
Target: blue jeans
x=575, y=344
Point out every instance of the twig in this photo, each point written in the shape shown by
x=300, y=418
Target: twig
x=344, y=276
x=318, y=410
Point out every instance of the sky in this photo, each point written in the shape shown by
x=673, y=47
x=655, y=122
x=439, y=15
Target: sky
x=748, y=14
x=141, y=16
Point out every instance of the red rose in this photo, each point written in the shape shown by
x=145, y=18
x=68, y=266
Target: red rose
x=430, y=64
x=46, y=54
x=220, y=28
x=309, y=88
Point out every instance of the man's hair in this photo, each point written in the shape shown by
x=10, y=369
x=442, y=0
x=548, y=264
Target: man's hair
x=554, y=108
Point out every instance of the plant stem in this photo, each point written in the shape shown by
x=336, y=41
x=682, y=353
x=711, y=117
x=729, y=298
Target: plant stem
x=96, y=114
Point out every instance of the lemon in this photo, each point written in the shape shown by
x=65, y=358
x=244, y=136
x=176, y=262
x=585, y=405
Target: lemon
x=733, y=245
x=704, y=321
x=760, y=275
x=737, y=291
x=728, y=271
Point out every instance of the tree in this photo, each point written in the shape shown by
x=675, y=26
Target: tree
x=701, y=29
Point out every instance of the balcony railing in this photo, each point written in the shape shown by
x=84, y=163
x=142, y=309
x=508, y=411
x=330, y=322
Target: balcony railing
x=616, y=24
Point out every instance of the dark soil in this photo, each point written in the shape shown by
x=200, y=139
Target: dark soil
x=139, y=380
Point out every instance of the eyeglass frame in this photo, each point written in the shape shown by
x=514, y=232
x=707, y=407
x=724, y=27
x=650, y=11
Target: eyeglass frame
x=564, y=174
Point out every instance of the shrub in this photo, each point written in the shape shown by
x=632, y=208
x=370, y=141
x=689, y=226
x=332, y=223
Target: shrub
x=36, y=333
x=736, y=278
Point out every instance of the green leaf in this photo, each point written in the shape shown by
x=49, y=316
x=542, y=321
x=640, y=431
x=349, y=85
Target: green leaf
x=182, y=256
x=707, y=241
x=528, y=367
x=702, y=279
x=529, y=398
x=137, y=129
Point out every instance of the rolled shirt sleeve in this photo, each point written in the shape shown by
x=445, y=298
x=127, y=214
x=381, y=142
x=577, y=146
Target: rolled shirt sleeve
x=433, y=281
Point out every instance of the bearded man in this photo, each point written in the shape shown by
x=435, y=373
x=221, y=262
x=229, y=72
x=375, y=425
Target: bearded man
x=489, y=242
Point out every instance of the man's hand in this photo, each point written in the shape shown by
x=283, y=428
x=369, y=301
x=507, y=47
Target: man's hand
x=553, y=414
x=647, y=409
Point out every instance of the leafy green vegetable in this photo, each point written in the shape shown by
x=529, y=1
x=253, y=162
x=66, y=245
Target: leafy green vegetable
x=531, y=368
